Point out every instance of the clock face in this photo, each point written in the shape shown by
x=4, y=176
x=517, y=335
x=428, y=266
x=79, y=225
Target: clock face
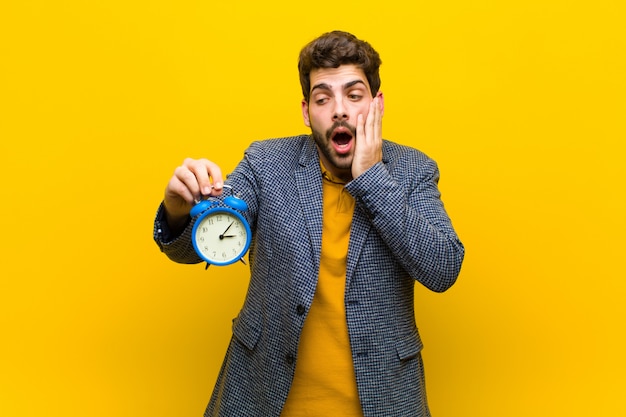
x=221, y=237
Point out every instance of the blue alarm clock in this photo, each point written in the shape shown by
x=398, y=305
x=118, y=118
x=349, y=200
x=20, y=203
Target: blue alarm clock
x=221, y=235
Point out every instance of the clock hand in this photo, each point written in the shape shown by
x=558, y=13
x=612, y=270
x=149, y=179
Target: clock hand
x=222, y=235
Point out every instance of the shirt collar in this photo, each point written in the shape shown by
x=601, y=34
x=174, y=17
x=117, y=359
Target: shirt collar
x=328, y=176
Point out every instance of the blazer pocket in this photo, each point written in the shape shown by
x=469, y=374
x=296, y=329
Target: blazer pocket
x=409, y=346
x=247, y=331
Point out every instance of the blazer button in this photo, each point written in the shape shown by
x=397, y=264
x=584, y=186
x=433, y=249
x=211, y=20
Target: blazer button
x=300, y=309
x=290, y=358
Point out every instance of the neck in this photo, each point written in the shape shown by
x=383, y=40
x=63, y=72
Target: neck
x=338, y=174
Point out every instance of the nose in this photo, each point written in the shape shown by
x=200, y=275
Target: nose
x=340, y=112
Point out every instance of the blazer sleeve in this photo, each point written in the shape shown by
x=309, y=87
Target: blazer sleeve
x=403, y=203
x=177, y=248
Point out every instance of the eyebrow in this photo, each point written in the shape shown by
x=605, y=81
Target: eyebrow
x=325, y=86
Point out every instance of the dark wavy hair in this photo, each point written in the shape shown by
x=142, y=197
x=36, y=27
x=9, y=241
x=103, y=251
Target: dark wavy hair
x=336, y=48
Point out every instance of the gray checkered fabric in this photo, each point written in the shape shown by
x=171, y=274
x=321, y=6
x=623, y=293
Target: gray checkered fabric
x=400, y=234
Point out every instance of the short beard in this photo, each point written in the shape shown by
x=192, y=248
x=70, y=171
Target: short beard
x=323, y=141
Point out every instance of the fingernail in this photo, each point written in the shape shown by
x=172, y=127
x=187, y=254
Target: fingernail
x=206, y=190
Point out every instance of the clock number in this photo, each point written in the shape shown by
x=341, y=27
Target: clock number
x=220, y=237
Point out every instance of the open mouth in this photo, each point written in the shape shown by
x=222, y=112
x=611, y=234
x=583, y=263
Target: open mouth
x=342, y=139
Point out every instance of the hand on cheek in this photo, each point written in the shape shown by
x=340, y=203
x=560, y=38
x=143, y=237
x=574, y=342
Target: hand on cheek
x=369, y=141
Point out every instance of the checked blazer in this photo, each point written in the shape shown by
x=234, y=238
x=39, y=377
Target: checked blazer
x=400, y=234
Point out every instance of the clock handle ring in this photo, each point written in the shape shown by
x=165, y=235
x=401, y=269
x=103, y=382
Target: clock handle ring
x=234, y=201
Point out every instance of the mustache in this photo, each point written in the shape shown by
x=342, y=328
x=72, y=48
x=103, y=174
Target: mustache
x=352, y=129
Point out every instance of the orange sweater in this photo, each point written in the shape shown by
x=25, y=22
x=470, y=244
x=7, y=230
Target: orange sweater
x=324, y=382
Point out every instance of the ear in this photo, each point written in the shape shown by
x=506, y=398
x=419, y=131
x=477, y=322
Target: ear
x=305, y=113
x=381, y=100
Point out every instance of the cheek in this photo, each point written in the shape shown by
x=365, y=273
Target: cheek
x=316, y=119
x=363, y=109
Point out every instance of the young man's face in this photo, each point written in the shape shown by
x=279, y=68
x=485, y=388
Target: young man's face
x=337, y=97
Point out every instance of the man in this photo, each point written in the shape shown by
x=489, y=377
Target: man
x=344, y=223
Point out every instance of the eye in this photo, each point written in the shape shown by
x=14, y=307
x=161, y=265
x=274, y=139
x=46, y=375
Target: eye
x=355, y=97
x=321, y=100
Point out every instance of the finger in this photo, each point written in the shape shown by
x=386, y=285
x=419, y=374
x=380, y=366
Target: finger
x=360, y=128
x=185, y=183
x=378, y=121
x=369, y=124
x=208, y=176
x=217, y=182
x=177, y=189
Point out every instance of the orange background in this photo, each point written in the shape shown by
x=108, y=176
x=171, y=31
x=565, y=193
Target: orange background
x=521, y=103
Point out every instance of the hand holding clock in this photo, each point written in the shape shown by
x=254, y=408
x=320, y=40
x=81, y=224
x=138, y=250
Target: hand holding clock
x=185, y=196
x=193, y=180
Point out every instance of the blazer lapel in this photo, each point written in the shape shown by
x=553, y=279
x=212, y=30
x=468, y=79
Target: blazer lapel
x=358, y=235
x=360, y=229
x=309, y=183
